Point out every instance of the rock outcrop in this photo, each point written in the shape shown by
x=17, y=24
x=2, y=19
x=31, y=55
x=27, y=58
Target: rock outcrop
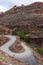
x=4, y=30
x=24, y=18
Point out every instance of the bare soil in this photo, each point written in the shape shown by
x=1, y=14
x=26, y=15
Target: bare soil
x=17, y=47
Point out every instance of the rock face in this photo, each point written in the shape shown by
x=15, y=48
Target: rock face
x=4, y=30
x=24, y=18
x=3, y=40
x=35, y=39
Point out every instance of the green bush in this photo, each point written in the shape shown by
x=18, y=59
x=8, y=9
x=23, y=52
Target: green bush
x=18, y=33
x=40, y=50
x=22, y=35
x=2, y=58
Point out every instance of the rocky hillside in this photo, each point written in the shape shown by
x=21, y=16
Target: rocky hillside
x=24, y=18
x=33, y=8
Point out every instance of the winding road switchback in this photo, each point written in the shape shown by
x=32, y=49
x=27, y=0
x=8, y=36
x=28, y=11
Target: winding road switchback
x=27, y=56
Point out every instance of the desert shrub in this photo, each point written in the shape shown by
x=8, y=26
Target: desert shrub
x=2, y=59
x=40, y=50
x=18, y=33
x=22, y=35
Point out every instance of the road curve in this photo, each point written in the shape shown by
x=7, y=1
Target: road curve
x=27, y=56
